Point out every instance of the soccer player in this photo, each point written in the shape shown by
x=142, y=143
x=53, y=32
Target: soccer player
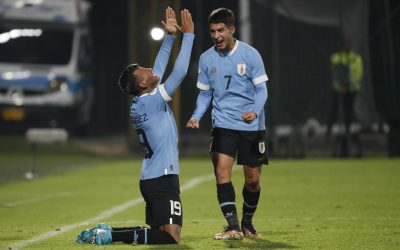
x=156, y=129
x=232, y=77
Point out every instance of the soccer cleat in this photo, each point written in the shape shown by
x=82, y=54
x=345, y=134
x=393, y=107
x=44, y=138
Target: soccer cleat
x=102, y=237
x=88, y=235
x=103, y=226
x=229, y=234
x=249, y=231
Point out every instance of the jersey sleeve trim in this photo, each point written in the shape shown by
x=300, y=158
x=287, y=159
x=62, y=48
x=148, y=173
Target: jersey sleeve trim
x=164, y=93
x=260, y=79
x=203, y=86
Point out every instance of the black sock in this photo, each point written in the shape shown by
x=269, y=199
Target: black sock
x=226, y=199
x=127, y=228
x=143, y=236
x=125, y=236
x=250, y=202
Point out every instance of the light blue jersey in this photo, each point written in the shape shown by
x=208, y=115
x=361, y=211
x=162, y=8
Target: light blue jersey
x=235, y=83
x=153, y=119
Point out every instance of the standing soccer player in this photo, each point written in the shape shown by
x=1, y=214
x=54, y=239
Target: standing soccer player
x=232, y=76
x=154, y=123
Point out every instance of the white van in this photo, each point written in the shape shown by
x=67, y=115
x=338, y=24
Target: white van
x=45, y=59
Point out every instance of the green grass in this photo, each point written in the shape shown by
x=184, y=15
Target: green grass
x=17, y=157
x=306, y=204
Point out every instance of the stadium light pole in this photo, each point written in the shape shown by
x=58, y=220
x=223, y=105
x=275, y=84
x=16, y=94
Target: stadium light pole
x=245, y=21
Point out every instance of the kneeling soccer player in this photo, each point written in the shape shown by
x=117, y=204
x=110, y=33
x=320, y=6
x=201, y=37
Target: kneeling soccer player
x=154, y=123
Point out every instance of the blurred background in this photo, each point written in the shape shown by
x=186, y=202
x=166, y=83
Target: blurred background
x=60, y=62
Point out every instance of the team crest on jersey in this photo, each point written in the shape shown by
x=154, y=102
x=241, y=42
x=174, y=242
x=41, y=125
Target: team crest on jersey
x=241, y=69
x=213, y=70
x=261, y=147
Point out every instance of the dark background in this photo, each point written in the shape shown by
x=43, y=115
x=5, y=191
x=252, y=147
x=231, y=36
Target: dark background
x=296, y=58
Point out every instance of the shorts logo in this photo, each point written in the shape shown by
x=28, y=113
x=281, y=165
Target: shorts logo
x=261, y=147
x=241, y=69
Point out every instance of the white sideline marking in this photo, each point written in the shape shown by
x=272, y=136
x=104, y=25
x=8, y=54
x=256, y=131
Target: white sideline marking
x=108, y=213
x=33, y=200
x=196, y=181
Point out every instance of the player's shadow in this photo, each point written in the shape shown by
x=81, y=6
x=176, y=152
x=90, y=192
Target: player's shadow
x=173, y=246
x=248, y=243
x=251, y=243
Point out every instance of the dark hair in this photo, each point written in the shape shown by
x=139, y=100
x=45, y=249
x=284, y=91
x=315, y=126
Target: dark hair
x=222, y=15
x=127, y=81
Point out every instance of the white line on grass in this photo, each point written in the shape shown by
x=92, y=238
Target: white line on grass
x=33, y=200
x=104, y=215
x=349, y=218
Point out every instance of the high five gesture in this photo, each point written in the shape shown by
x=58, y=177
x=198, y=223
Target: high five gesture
x=186, y=22
x=170, y=23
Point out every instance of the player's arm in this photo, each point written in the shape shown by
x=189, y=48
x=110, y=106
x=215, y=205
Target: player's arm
x=162, y=58
x=260, y=99
x=259, y=81
x=202, y=104
x=205, y=95
x=182, y=61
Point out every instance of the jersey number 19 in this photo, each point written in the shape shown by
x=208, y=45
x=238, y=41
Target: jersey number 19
x=175, y=207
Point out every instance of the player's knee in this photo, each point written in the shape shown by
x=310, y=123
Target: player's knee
x=252, y=180
x=252, y=184
x=222, y=175
x=174, y=231
x=221, y=179
x=175, y=237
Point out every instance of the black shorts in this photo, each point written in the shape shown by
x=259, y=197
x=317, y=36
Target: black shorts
x=250, y=146
x=163, y=203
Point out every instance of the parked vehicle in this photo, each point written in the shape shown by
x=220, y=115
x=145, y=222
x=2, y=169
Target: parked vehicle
x=45, y=59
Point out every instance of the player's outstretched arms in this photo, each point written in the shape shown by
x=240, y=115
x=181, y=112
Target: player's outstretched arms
x=161, y=61
x=170, y=24
x=187, y=22
x=182, y=62
x=187, y=25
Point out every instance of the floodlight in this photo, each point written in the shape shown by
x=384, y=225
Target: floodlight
x=157, y=33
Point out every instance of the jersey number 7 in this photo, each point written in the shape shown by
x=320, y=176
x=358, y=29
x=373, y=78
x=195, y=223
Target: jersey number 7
x=229, y=77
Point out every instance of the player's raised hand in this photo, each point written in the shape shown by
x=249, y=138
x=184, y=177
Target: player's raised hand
x=170, y=23
x=186, y=22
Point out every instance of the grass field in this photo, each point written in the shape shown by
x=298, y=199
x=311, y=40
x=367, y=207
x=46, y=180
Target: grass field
x=306, y=204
